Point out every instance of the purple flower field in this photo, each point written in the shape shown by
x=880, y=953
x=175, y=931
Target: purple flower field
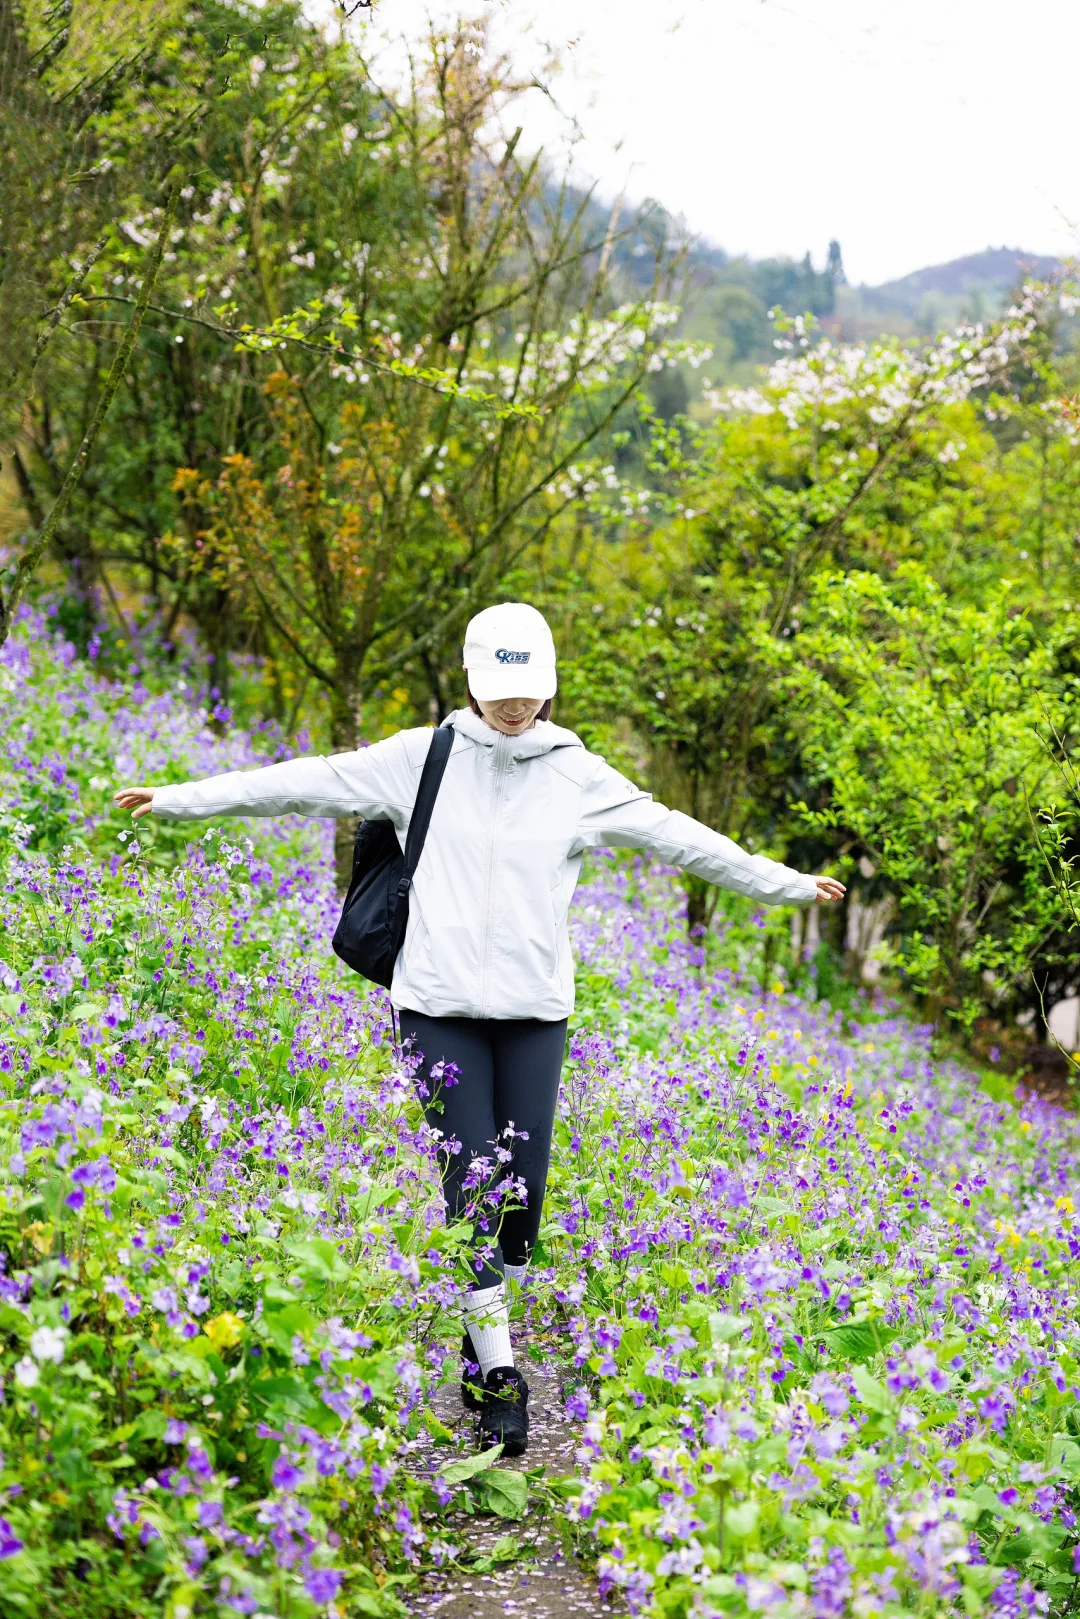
x=816, y=1291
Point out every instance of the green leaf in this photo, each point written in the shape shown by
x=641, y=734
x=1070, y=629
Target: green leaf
x=15, y=1322
x=725, y=1327
x=282, y=1392
x=741, y=1521
x=1065, y=1453
x=469, y=1466
x=505, y=1549
x=874, y=1395
x=441, y=1434
x=858, y=1340
x=283, y=1325
x=318, y=1258
x=124, y=1193
x=504, y=1492
x=151, y=1423
x=774, y=1205
x=1013, y=1551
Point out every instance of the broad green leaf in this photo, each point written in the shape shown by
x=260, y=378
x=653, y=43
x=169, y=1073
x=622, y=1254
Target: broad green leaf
x=469, y=1466
x=858, y=1340
x=504, y=1492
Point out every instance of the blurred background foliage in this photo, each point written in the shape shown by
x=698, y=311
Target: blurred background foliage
x=812, y=567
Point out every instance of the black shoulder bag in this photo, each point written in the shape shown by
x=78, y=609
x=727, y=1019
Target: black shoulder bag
x=376, y=910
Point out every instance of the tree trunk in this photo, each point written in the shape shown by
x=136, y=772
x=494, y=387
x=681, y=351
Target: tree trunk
x=698, y=909
x=345, y=705
x=219, y=644
x=702, y=899
x=36, y=549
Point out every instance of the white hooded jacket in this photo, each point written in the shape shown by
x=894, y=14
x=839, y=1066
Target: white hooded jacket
x=487, y=934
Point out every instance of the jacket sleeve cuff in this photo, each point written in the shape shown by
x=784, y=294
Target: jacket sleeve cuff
x=168, y=802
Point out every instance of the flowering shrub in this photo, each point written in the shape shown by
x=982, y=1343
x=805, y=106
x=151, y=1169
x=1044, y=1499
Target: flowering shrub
x=816, y=1289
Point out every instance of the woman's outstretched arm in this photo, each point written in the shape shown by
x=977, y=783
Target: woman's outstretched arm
x=615, y=815
x=378, y=783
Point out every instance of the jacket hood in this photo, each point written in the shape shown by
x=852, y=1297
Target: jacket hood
x=542, y=738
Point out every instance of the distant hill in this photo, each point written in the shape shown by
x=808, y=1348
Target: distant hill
x=992, y=274
x=731, y=297
x=726, y=299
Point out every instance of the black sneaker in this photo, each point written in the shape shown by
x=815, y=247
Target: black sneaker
x=472, y=1380
x=504, y=1419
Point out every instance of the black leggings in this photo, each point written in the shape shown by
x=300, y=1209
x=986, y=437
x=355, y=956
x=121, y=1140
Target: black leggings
x=508, y=1073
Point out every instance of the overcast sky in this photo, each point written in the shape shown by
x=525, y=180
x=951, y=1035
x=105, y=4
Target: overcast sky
x=912, y=130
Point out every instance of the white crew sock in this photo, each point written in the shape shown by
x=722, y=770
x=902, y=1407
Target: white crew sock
x=488, y=1325
x=515, y=1274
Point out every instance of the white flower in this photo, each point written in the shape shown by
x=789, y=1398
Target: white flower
x=26, y=1373
x=47, y=1343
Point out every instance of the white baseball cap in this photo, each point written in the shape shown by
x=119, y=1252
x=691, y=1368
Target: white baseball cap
x=509, y=652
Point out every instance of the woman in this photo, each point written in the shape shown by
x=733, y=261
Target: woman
x=485, y=978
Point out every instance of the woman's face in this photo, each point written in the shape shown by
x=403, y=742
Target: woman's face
x=511, y=715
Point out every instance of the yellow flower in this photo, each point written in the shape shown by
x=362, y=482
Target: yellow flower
x=1025, y=1125
x=777, y=988
x=225, y=1330
x=1066, y=1205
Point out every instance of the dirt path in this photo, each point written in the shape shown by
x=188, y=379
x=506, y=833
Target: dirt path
x=541, y=1582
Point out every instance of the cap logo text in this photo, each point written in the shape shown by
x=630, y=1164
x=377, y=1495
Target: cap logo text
x=512, y=657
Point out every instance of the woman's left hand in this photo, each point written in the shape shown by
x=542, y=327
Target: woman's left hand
x=828, y=890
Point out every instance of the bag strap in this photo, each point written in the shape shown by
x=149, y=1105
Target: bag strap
x=426, y=794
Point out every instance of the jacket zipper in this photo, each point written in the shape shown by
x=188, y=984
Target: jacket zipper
x=498, y=770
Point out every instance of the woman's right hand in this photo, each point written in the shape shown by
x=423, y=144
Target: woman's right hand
x=139, y=800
